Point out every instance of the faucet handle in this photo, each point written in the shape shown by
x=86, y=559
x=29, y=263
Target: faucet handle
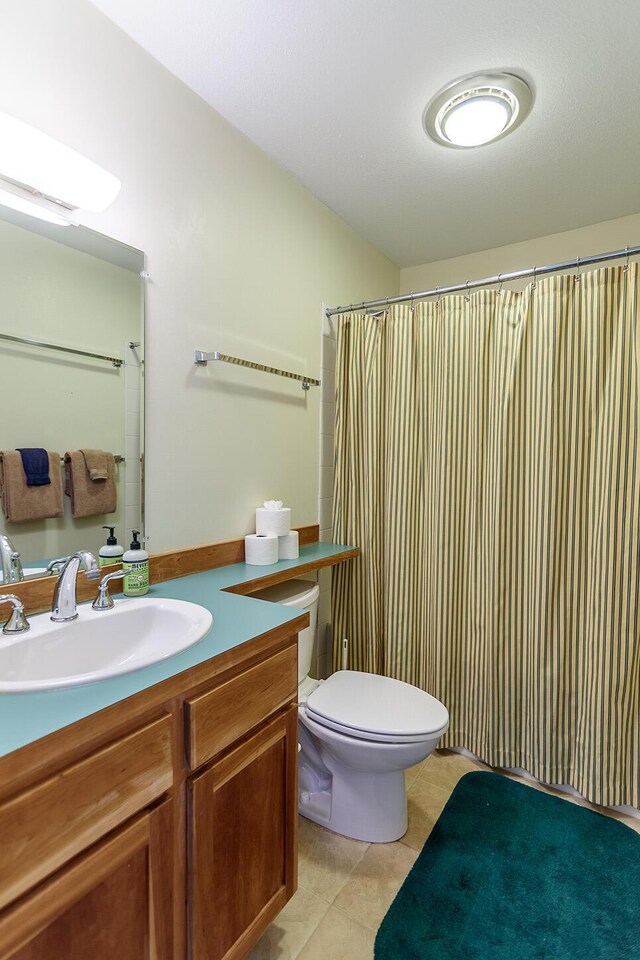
x=17, y=622
x=104, y=600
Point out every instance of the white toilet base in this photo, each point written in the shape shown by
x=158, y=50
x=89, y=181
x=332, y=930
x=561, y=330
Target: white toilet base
x=364, y=806
x=363, y=797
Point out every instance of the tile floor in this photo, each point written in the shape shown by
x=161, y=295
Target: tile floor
x=345, y=887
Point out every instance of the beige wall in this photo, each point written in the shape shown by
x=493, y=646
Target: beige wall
x=597, y=238
x=240, y=258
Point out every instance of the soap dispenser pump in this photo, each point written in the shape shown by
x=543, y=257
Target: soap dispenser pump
x=111, y=551
x=135, y=563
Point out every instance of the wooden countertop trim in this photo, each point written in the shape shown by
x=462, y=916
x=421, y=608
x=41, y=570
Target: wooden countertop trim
x=37, y=594
x=246, y=589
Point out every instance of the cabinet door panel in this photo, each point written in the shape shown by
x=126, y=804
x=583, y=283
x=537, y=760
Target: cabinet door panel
x=47, y=825
x=114, y=903
x=243, y=845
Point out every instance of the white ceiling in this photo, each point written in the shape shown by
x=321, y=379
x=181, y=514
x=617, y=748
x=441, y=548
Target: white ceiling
x=334, y=90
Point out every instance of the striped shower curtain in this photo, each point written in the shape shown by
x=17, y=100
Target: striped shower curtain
x=487, y=455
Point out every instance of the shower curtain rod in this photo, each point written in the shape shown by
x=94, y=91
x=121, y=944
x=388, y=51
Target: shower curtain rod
x=534, y=272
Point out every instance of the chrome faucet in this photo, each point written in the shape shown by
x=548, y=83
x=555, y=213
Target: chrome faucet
x=64, y=597
x=55, y=565
x=17, y=622
x=10, y=561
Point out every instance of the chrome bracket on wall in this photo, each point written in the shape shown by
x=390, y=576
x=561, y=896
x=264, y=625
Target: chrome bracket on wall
x=202, y=358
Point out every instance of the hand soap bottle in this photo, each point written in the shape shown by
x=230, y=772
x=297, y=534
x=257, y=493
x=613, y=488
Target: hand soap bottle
x=135, y=563
x=111, y=551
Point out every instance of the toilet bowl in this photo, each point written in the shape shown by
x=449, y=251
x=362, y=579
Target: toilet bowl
x=358, y=733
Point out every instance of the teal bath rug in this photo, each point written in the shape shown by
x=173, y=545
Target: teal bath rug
x=510, y=873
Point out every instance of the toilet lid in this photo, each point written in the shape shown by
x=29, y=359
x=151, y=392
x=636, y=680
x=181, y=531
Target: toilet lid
x=374, y=706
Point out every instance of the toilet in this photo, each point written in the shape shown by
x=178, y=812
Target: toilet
x=358, y=733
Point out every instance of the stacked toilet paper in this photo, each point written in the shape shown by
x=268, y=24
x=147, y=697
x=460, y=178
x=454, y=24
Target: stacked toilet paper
x=260, y=549
x=274, y=539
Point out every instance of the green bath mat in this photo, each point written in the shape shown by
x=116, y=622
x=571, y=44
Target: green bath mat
x=510, y=873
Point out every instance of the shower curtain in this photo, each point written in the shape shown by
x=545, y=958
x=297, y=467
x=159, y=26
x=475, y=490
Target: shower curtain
x=487, y=466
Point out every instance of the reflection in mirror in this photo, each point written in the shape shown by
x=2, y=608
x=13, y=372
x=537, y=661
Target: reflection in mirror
x=70, y=288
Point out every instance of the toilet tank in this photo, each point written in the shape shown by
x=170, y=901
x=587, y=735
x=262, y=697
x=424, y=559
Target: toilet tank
x=302, y=594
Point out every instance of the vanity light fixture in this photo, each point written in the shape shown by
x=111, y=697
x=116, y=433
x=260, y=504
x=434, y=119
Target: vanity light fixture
x=477, y=109
x=46, y=179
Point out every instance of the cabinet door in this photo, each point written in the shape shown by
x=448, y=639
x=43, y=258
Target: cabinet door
x=243, y=843
x=112, y=903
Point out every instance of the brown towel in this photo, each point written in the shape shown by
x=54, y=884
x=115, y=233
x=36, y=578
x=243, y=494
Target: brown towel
x=97, y=463
x=20, y=502
x=88, y=497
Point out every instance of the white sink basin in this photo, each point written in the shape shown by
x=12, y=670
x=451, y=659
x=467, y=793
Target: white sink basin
x=99, y=644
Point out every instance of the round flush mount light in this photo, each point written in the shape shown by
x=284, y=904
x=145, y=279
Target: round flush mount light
x=476, y=110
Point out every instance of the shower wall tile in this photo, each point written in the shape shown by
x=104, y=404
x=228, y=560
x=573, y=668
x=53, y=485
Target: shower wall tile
x=328, y=384
x=131, y=423
x=132, y=494
x=324, y=658
x=324, y=607
x=131, y=466
x=326, y=450
x=324, y=579
x=131, y=522
x=328, y=353
x=132, y=448
x=326, y=485
x=325, y=512
x=327, y=417
x=132, y=471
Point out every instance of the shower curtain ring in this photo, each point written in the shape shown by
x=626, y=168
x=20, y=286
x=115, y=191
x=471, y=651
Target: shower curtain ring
x=533, y=285
x=577, y=277
x=411, y=304
x=437, y=296
x=626, y=259
x=467, y=295
x=500, y=282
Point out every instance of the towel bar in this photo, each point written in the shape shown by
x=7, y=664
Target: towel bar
x=117, y=457
x=202, y=358
x=116, y=361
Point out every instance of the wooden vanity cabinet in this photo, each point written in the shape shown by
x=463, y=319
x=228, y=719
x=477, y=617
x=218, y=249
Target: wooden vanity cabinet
x=243, y=842
x=112, y=903
x=163, y=828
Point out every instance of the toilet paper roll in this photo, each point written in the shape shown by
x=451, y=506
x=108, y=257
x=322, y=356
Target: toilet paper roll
x=288, y=546
x=276, y=522
x=260, y=549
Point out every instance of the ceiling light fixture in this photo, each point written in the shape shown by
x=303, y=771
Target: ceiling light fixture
x=44, y=178
x=478, y=109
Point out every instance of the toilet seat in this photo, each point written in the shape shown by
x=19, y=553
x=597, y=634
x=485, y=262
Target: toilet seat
x=366, y=706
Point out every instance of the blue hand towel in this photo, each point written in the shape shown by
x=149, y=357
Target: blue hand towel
x=35, y=463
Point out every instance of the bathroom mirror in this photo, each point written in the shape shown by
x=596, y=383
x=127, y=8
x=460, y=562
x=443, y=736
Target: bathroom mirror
x=82, y=294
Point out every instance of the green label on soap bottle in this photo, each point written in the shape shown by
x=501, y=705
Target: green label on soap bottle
x=134, y=569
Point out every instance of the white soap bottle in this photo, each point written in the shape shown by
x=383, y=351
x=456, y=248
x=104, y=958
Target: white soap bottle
x=135, y=563
x=111, y=551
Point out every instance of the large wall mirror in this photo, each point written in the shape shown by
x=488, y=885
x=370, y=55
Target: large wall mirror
x=79, y=297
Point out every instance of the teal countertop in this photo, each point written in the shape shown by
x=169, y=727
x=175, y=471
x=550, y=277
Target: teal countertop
x=26, y=717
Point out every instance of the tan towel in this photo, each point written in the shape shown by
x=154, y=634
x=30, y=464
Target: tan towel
x=20, y=502
x=88, y=497
x=97, y=463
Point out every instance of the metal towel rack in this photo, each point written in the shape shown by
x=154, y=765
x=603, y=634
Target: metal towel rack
x=202, y=358
x=116, y=361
